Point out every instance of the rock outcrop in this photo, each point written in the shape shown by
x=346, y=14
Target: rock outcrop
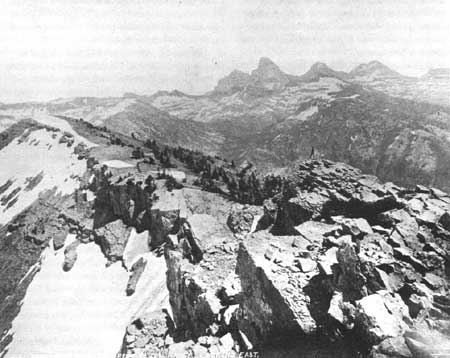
x=70, y=255
x=337, y=264
x=274, y=304
x=371, y=261
x=113, y=238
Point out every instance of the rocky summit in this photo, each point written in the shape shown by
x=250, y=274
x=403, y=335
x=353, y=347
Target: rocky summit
x=141, y=249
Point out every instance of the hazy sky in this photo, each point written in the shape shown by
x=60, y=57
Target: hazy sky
x=63, y=48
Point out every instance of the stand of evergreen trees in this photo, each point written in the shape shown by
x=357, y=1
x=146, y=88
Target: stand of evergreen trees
x=219, y=175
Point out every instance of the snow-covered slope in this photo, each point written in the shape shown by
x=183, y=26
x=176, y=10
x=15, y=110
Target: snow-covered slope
x=35, y=162
x=83, y=312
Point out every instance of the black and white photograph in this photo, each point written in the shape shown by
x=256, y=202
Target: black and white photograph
x=224, y=179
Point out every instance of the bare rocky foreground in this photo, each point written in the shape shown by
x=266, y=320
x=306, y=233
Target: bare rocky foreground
x=336, y=264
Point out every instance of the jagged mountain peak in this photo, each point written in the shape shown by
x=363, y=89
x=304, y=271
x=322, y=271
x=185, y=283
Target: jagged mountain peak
x=268, y=76
x=265, y=62
x=266, y=67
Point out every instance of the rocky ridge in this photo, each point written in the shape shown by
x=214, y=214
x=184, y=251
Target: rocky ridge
x=341, y=264
x=336, y=264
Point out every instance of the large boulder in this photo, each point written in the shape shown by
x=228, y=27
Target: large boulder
x=341, y=311
x=351, y=281
x=303, y=206
x=357, y=227
x=204, y=232
x=113, y=238
x=244, y=219
x=392, y=347
x=274, y=305
x=444, y=220
x=59, y=239
x=380, y=316
x=314, y=231
x=70, y=255
x=425, y=342
x=136, y=271
x=371, y=199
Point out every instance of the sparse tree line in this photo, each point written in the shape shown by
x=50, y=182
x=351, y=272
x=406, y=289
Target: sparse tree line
x=220, y=175
x=215, y=174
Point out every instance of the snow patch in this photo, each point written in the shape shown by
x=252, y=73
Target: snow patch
x=350, y=97
x=255, y=223
x=39, y=153
x=117, y=164
x=137, y=245
x=304, y=115
x=47, y=119
x=83, y=312
x=70, y=238
x=90, y=196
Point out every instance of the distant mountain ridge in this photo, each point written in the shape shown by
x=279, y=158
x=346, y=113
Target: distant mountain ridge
x=268, y=77
x=438, y=73
x=365, y=118
x=374, y=69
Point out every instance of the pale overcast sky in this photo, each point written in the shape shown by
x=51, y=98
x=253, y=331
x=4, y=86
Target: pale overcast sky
x=64, y=48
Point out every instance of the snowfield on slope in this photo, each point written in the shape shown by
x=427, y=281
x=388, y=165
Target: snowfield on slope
x=83, y=312
x=304, y=115
x=36, y=162
x=115, y=163
x=49, y=120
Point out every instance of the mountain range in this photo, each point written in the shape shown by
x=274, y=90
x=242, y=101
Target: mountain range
x=372, y=117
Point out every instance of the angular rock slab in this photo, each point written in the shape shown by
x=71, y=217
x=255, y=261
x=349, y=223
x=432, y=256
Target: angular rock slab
x=380, y=316
x=273, y=304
